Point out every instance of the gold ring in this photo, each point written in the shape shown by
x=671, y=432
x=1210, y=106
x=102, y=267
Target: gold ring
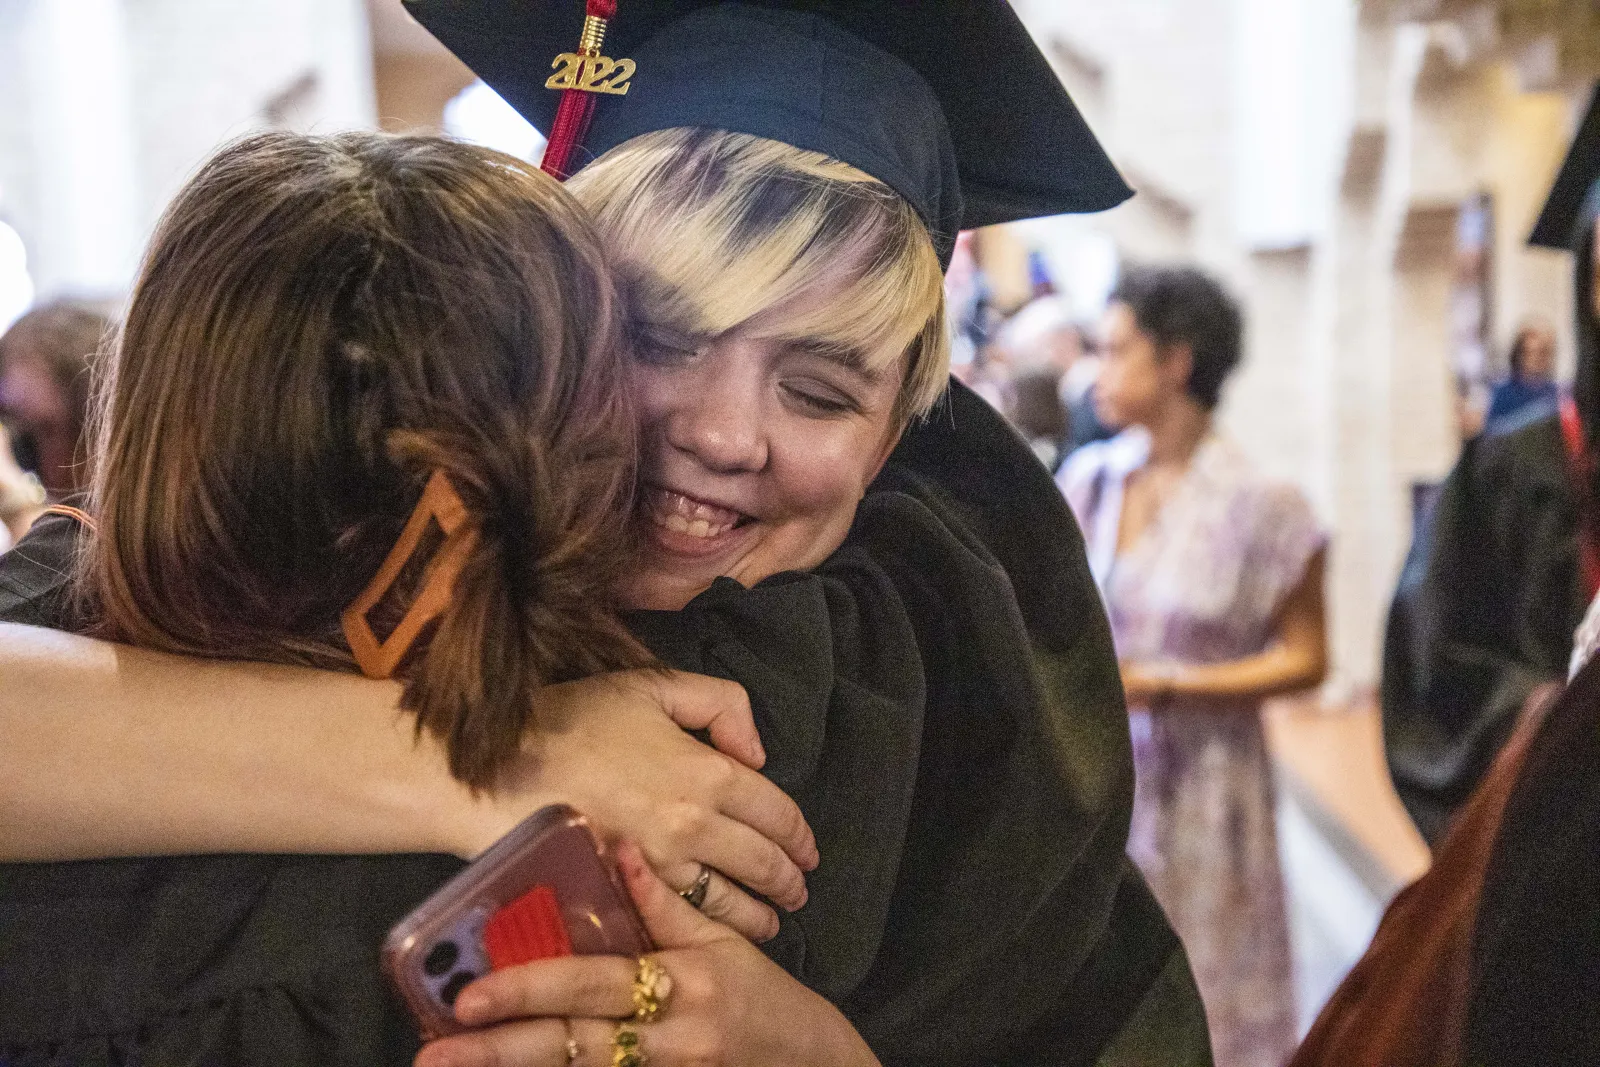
x=652, y=987
x=625, y=1050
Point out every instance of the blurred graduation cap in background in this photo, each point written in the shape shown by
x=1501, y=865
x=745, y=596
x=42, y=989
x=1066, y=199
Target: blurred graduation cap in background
x=948, y=102
x=1575, y=198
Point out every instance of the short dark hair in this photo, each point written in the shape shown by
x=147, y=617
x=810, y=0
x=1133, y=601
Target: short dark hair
x=1182, y=305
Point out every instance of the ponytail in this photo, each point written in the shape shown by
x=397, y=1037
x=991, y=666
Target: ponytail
x=530, y=606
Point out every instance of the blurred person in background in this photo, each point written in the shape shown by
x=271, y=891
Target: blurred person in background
x=1529, y=391
x=44, y=401
x=1213, y=578
x=44, y=389
x=1045, y=342
x=1492, y=956
x=1496, y=582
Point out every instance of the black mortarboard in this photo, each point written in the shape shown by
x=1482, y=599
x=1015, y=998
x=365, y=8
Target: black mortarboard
x=948, y=102
x=1570, y=204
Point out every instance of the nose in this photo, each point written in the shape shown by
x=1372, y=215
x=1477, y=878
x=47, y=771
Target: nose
x=718, y=419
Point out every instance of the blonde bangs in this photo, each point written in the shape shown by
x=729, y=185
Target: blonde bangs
x=710, y=229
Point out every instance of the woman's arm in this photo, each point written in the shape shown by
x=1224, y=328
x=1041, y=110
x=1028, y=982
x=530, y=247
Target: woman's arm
x=107, y=750
x=1296, y=659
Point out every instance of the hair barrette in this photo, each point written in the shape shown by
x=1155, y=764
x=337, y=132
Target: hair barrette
x=440, y=504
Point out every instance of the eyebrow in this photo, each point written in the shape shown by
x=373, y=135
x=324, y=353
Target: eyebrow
x=851, y=357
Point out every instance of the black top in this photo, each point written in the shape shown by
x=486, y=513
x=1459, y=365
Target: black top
x=1484, y=614
x=940, y=697
x=948, y=102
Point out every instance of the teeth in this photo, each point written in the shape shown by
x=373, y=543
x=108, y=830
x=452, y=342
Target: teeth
x=682, y=515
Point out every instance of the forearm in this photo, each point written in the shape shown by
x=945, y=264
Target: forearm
x=107, y=750
x=1278, y=670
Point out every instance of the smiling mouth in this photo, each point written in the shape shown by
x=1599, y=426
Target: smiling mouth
x=688, y=517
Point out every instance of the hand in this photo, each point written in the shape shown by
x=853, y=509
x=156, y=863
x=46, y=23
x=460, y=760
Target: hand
x=614, y=748
x=728, y=1004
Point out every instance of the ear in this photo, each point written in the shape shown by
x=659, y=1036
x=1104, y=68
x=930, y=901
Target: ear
x=890, y=442
x=1177, y=363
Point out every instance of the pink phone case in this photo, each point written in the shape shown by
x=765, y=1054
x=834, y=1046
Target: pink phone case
x=545, y=889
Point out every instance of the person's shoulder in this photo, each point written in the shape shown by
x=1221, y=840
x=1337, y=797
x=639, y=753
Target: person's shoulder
x=36, y=574
x=1274, y=500
x=1526, y=449
x=1120, y=453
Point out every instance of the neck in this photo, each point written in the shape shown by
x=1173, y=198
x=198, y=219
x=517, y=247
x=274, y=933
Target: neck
x=1177, y=431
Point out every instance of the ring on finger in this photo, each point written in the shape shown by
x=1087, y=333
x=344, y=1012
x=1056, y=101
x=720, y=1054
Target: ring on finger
x=696, y=894
x=652, y=987
x=625, y=1050
x=573, y=1051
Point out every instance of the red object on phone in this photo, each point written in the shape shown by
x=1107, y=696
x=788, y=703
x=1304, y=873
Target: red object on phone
x=544, y=890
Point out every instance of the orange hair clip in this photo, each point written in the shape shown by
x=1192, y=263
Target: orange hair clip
x=442, y=504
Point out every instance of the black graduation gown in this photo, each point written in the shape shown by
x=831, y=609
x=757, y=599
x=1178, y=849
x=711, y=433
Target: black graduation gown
x=1536, y=942
x=941, y=698
x=1484, y=615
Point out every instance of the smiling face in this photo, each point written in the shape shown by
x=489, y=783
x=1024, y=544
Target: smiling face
x=757, y=447
x=787, y=315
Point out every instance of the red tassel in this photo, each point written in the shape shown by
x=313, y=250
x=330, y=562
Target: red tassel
x=574, y=113
x=566, y=135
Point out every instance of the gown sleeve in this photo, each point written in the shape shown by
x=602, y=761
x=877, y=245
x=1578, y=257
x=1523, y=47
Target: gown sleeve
x=35, y=574
x=1484, y=614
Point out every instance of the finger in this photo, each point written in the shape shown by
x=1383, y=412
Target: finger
x=594, y=1040
x=738, y=910
x=747, y=857
x=696, y=702
x=671, y=921
x=724, y=901
x=593, y=986
x=525, y=1043
x=756, y=802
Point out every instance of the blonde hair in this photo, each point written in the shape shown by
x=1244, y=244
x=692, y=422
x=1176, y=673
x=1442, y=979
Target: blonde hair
x=710, y=228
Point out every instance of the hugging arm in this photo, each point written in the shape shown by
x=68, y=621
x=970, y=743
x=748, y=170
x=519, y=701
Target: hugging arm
x=107, y=750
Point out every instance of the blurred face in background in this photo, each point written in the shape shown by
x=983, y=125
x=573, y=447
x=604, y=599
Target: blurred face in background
x=1137, y=378
x=41, y=417
x=1539, y=353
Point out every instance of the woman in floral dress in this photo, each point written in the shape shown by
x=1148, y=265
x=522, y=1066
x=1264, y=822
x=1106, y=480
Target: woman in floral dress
x=1212, y=575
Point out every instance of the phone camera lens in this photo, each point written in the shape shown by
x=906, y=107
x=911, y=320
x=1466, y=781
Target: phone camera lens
x=441, y=958
x=452, y=989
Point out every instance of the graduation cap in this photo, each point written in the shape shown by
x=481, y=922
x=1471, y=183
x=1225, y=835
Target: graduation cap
x=948, y=102
x=1575, y=199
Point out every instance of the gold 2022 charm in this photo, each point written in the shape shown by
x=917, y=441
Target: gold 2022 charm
x=591, y=74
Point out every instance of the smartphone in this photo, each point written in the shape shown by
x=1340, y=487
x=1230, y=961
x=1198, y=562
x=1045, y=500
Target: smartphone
x=546, y=889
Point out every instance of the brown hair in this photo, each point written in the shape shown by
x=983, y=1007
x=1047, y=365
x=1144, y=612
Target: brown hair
x=62, y=338
x=320, y=323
